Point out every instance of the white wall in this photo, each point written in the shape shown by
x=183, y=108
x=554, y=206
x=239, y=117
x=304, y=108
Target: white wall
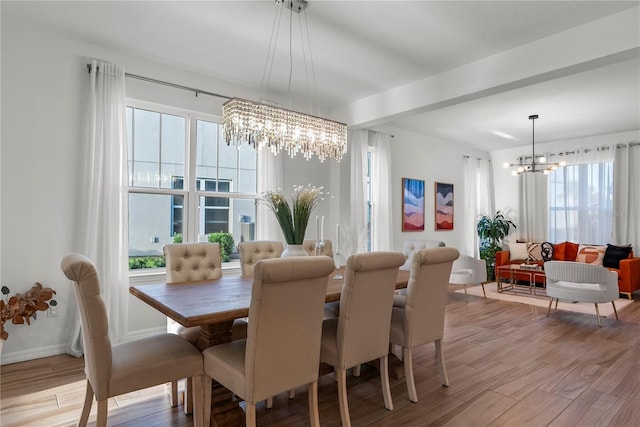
x=44, y=85
x=418, y=157
x=506, y=185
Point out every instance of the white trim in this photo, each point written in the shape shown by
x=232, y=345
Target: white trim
x=32, y=353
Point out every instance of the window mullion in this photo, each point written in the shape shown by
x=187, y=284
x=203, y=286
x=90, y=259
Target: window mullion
x=192, y=198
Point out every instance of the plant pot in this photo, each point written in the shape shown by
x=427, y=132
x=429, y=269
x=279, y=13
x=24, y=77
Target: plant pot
x=294, y=250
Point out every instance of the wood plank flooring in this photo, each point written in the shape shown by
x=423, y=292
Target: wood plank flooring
x=508, y=365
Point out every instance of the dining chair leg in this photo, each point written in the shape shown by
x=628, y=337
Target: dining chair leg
x=549, y=310
x=384, y=379
x=188, y=396
x=86, y=408
x=614, y=309
x=443, y=369
x=250, y=414
x=207, y=384
x=292, y=393
x=174, y=393
x=198, y=400
x=466, y=297
x=407, y=356
x=356, y=370
x=103, y=407
x=314, y=413
x=598, y=314
x=269, y=403
x=342, y=397
x=483, y=291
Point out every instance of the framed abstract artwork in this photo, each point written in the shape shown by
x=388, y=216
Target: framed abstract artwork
x=412, y=204
x=444, y=206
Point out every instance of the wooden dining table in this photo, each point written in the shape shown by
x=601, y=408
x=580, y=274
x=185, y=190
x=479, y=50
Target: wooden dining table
x=213, y=305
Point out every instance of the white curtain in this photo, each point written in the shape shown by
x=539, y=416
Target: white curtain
x=381, y=192
x=104, y=199
x=626, y=195
x=479, y=200
x=270, y=177
x=533, y=207
x=580, y=206
x=356, y=237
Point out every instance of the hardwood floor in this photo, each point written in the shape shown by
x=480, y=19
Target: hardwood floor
x=508, y=365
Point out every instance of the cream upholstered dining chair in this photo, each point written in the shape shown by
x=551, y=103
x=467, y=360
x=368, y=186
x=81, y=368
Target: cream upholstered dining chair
x=577, y=281
x=282, y=349
x=129, y=366
x=361, y=331
x=310, y=247
x=189, y=262
x=421, y=320
x=252, y=251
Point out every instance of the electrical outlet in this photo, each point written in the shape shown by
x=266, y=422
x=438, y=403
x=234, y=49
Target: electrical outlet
x=53, y=311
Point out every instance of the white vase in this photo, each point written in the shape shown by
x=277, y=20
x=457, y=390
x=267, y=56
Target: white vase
x=294, y=250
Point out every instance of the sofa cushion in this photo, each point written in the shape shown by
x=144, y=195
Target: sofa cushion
x=565, y=251
x=518, y=251
x=547, y=251
x=614, y=254
x=591, y=254
x=535, y=252
x=559, y=250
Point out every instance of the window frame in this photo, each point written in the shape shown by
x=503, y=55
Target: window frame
x=190, y=193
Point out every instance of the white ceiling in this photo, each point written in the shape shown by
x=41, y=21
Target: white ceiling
x=364, y=48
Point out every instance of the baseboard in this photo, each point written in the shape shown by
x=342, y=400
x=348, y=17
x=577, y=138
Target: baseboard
x=32, y=353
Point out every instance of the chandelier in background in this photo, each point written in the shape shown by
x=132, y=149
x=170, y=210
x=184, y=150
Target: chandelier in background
x=538, y=164
x=266, y=126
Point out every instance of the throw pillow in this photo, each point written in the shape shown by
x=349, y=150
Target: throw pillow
x=535, y=252
x=571, y=251
x=614, y=254
x=547, y=251
x=559, y=250
x=591, y=254
x=518, y=251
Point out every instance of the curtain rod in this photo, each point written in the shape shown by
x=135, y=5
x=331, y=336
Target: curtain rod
x=173, y=85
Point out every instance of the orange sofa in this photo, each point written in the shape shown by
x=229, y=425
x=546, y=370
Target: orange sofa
x=628, y=273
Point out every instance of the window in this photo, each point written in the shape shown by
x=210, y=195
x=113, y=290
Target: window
x=581, y=203
x=184, y=181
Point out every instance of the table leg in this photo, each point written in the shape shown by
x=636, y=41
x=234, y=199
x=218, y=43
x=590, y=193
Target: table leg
x=225, y=409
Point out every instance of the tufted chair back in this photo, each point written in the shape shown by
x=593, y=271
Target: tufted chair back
x=253, y=251
x=192, y=261
x=95, y=324
x=310, y=247
x=427, y=295
x=411, y=246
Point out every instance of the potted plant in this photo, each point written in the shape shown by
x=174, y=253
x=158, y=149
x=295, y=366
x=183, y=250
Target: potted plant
x=492, y=230
x=293, y=219
x=21, y=308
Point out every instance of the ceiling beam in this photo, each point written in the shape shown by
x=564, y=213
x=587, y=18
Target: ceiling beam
x=602, y=42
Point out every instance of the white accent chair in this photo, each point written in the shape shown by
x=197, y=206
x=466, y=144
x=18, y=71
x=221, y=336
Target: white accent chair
x=468, y=270
x=187, y=262
x=580, y=282
x=282, y=349
x=411, y=246
x=421, y=320
x=361, y=332
x=113, y=370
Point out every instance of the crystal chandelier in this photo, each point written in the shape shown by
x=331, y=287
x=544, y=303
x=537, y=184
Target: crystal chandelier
x=266, y=126
x=538, y=164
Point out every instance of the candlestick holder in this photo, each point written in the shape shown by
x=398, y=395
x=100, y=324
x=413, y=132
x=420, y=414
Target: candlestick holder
x=337, y=258
x=318, y=248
